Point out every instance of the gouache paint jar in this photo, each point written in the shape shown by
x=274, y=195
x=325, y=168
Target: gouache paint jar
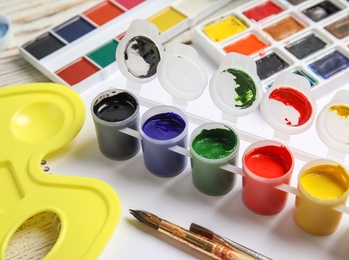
x=163, y=127
x=323, y=184
x=213, y=145
x=266, y=164
x=113, y=110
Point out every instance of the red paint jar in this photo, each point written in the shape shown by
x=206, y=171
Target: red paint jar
x=266, y=164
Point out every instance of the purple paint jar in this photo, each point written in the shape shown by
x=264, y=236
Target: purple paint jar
x=163, y=127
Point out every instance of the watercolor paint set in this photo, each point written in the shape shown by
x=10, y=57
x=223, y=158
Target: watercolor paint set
x=80, y=52
x=309, y=38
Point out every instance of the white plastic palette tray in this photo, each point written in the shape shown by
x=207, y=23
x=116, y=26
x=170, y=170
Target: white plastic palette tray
x=306, y=37
x=177, y=200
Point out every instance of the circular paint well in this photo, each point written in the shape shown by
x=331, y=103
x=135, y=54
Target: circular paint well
x=37, y=122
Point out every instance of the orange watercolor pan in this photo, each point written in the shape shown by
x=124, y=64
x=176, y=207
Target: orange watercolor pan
x=103, y=13
x=247, y=45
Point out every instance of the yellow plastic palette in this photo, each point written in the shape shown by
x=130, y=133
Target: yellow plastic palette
x=37, y=119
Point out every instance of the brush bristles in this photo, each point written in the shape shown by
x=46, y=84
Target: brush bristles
x=146, y=218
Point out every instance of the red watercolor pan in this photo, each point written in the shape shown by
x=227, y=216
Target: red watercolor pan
x=262, y=11
x=77, y=71
x=103, y=13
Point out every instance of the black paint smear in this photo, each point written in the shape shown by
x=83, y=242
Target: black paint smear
x=306, y=46
x=148, y=50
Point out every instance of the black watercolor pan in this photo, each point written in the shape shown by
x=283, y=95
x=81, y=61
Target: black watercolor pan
x=270, y=64
x=43, y=46
x=321, y=10
x=306, y=46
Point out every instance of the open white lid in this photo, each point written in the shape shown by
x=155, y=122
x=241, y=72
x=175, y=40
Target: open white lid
x=139, y=52
x=332, y=124
x=281, y=115
x=5, y=32
x=224, y=88
x=181, y=73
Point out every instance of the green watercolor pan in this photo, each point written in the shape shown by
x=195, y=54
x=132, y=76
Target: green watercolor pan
x=80, y=52
x=296, y=36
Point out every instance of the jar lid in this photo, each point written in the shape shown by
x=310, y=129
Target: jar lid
x=139, y=52
x=332, y=124
x=181, y=73
x=288, y=105
x=235, y=87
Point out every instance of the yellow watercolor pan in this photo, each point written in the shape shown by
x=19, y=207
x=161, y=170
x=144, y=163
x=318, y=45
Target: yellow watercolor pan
x=224, y=28
x=38, y=119
x=166, y=19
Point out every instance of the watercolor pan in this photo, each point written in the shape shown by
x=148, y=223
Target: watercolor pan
x=247, y=45
x=303, y=33
x=306, y=46
x=92, y=36
x=321, y=10
x=262, y=11
x=270, y=64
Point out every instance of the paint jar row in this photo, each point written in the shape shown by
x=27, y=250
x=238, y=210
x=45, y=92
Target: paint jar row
x=267, y=166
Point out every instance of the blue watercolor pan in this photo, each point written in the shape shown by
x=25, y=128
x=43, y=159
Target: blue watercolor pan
x=74, y=29
x=330, y=64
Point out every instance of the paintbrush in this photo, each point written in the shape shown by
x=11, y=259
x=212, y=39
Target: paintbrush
x=202, y=244
x=200, y=230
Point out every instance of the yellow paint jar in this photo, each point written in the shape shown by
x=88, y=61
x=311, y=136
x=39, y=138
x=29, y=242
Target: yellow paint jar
x=323, y=184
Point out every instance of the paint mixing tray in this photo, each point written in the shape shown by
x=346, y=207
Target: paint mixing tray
x=38, y=119
x=306, y=37
x=80, y=52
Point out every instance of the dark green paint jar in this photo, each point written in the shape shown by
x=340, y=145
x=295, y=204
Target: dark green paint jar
x=213, y=145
